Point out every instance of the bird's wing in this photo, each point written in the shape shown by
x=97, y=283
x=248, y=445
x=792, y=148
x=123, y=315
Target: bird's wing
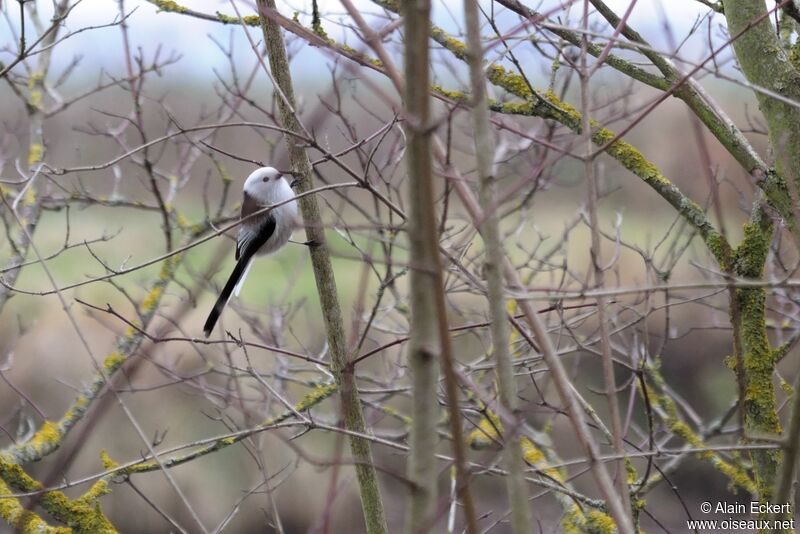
x=255, y=231
x=252, y=235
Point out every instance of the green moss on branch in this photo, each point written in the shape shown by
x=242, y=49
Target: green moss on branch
x=760, y=402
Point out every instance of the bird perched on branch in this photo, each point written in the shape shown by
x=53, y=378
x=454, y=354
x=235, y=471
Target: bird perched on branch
x=259, y=234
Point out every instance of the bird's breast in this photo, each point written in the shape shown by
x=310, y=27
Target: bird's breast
x=285, y=223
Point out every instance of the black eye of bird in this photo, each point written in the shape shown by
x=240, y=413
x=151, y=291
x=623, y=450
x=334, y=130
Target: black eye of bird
x=265, y=179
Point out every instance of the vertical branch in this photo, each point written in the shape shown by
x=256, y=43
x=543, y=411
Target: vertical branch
x=609, y=380
x=749, y=19
x=323, y=274
x=429, y=339
x=30, y=208
x=760, y=402
x=791, y=447
x=493, y=260
x=428, y=308
x=572, y=406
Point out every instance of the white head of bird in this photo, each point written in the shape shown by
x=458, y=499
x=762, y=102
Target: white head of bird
x=267, y=185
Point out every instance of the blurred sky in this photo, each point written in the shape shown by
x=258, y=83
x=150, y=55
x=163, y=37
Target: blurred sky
x=190, y=36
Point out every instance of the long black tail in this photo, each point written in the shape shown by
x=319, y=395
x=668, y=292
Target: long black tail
x=213, y=317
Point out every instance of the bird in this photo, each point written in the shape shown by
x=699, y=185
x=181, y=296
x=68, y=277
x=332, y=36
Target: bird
x=261, y=234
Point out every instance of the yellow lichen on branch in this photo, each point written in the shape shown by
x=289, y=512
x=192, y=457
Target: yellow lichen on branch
x=169, y=6
x=665, y=408
x=576, y=519
x=82, y=514
x=547, y=105
x=22, y=519
x=35, y=154
x=48, y=437
x=319, y=393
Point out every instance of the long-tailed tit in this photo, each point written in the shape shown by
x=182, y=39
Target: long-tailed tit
x=258, y=235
